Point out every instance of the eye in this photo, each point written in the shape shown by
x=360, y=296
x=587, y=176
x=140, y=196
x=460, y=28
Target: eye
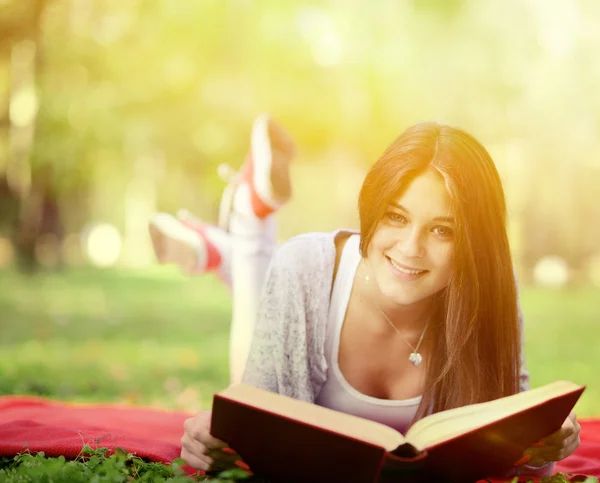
x=443, y=231
x=396, y=217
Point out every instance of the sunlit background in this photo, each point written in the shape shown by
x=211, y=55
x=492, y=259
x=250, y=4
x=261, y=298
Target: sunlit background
x=112, y=110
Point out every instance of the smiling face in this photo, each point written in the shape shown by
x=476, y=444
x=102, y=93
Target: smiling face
x=467, y=261
x=411, y=252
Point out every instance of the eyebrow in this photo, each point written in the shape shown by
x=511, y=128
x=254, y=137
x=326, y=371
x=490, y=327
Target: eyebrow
x=447, y=219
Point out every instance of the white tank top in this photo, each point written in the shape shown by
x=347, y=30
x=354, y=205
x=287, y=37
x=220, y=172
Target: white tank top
x=337, y=393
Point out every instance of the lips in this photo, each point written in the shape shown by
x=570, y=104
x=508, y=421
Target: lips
x=404, y=269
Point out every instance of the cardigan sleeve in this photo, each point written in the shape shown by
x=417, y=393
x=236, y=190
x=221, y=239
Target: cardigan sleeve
x=261, y=365
x=285, y=355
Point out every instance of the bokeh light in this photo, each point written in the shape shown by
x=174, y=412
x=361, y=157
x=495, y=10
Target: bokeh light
x=23, y=107
x=551, y=271
x=103, y=243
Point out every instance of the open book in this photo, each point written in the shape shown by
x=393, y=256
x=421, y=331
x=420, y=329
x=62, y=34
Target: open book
x=295, y=441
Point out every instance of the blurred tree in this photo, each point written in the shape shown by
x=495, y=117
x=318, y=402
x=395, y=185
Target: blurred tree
x=20, y=45
x=136, y=102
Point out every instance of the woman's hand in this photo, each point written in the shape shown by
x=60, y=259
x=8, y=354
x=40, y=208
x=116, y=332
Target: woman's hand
x=202, y=451
x=555, y=447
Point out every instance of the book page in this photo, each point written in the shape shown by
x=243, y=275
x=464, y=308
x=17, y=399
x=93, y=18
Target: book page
x=352, y=426
x=446, y=425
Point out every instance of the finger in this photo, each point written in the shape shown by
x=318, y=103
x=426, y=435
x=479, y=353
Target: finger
x=199, y=429
x=223, y=460
x=556, y=438
x=241, y=464
x=196, y=451
x=557, y=452
x=546, y=457
x=198, y=461
x=192, y=444
x=535, y=452
x=219, y=466
x=538, y=462
x=226, y=451
x=568, y=424
x=209, y=459
x=569, y=446
x=206, y=459
x=531, y=456
x=568, y=427
x=522, y=460
x=211, y=442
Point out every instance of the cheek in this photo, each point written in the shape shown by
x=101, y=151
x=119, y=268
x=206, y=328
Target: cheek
x=383, y=238
x=378, y=241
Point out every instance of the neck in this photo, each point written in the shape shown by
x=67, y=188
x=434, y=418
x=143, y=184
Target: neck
x=412, y=317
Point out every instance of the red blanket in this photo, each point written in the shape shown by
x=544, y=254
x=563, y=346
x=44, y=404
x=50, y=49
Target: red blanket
x=59, y=428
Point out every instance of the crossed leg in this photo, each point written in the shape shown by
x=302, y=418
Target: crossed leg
x=240, y=250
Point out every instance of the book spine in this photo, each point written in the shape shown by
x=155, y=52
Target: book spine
x=405, y=469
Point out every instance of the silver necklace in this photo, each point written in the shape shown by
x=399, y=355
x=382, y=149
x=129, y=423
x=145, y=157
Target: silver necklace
x=415, y=357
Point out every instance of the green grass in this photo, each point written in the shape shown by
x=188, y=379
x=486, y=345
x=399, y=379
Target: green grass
x=121, y=466
x=562, y=332
x=102, y=466
x=156, y=337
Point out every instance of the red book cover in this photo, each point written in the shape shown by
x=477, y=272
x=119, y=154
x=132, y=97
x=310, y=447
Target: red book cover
x=491, y=450
x=286, y=448
x=289, y=450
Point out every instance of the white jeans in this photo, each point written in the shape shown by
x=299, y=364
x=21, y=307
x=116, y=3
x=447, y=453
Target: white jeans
x=253, y=245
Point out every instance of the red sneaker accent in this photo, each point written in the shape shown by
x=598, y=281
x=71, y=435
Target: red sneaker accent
x=259, y=207
x=213, y=257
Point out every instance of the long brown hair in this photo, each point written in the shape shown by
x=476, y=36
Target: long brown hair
x=477, y=345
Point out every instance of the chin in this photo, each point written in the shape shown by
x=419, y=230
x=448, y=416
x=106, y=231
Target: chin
x=399, y=298
x=407, y=293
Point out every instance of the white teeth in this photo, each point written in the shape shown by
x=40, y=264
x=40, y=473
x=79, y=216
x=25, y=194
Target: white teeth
x=404, y=270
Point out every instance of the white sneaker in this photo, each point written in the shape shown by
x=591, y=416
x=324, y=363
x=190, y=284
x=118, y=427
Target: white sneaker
x=194, y=246
x=271, y=151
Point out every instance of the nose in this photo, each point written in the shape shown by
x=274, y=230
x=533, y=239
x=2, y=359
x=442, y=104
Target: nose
x=413, y=246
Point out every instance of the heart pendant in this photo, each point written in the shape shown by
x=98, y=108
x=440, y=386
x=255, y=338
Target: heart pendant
x=415, y=358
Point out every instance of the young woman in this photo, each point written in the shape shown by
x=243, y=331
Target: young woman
x=414, y=314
